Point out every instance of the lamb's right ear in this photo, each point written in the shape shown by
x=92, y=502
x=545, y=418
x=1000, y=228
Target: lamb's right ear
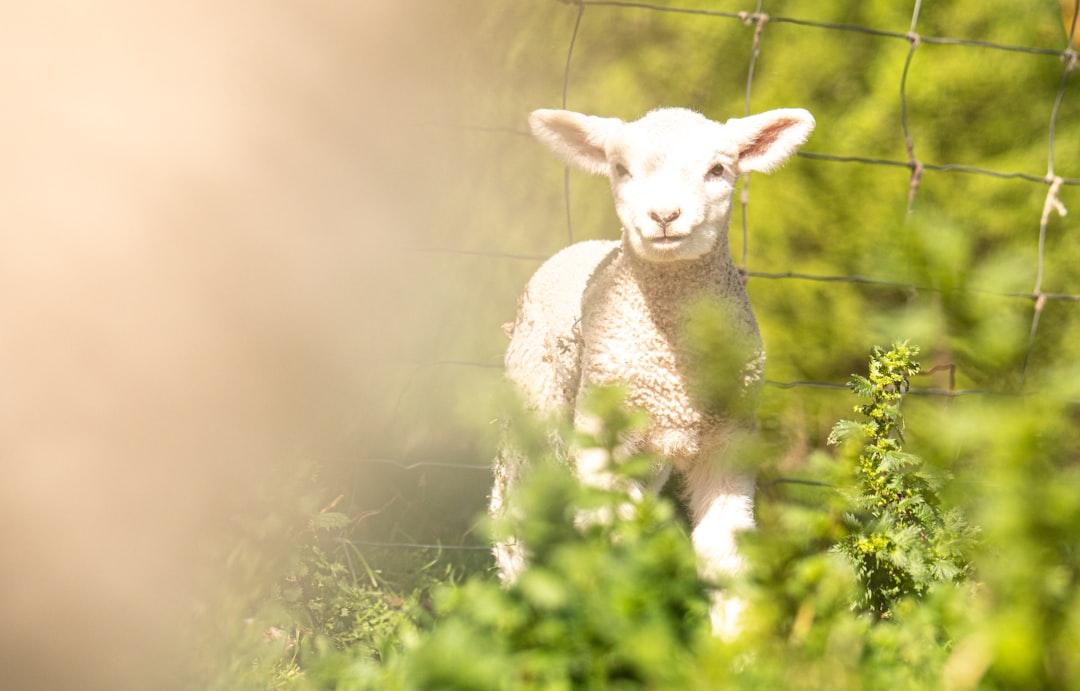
x=578, y=139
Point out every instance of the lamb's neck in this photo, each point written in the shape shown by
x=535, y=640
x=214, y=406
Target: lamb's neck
x=689, y=277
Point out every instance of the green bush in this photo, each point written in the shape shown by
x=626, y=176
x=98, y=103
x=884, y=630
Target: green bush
x=605, y=604
x=863, y=573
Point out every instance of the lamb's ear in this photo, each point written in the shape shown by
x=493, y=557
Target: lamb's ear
x=768, y=139
x=578, y=139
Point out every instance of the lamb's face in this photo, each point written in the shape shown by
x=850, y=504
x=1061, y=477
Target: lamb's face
x=672, y=176
x=673, y=171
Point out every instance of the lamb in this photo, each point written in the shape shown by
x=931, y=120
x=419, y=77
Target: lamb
x=602, y=312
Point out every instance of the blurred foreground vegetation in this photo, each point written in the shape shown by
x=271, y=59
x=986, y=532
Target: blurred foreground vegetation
x=951, y=564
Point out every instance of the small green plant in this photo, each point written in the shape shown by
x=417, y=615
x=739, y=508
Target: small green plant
x=901, y=539
x=331, y=601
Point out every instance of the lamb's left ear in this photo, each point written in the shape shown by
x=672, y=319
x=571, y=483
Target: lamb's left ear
x=768, y=139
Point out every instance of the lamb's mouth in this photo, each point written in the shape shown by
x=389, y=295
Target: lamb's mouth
x=667, y=240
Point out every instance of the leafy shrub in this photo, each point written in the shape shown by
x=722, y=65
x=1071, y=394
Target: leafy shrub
x=863, y=575
x=609, y=604
x=618, y=603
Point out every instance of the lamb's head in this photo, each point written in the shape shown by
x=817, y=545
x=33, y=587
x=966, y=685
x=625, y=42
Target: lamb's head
x=673, y=172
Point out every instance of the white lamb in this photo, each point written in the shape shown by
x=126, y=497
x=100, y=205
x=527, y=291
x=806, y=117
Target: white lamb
x=602, y=312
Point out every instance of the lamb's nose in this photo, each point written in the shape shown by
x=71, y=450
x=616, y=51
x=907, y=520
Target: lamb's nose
x=663, y=218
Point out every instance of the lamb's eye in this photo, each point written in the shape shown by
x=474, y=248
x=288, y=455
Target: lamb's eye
x=621, y=171
x=716, y=171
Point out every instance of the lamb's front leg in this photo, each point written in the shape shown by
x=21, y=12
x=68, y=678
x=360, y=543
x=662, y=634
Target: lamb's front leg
x=509, y=554
x=721, y=504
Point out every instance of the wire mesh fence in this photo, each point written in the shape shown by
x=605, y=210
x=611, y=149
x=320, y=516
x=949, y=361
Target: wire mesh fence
x=759, y=23
x=917, y=167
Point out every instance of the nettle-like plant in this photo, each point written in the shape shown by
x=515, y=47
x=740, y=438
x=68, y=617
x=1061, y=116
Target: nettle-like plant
x=901, y=540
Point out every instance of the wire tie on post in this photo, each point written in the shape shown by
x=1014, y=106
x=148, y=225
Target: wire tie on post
x=1052, y=200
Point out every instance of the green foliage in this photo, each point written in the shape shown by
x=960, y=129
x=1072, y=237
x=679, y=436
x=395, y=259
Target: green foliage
x=862, y=575
x=611, y=598
x=327, y=597
x=1020, y=472
x=298, y=590
x=902, y=541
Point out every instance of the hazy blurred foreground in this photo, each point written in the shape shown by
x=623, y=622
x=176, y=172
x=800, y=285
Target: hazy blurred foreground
x=237, y=239
x=199, y=210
